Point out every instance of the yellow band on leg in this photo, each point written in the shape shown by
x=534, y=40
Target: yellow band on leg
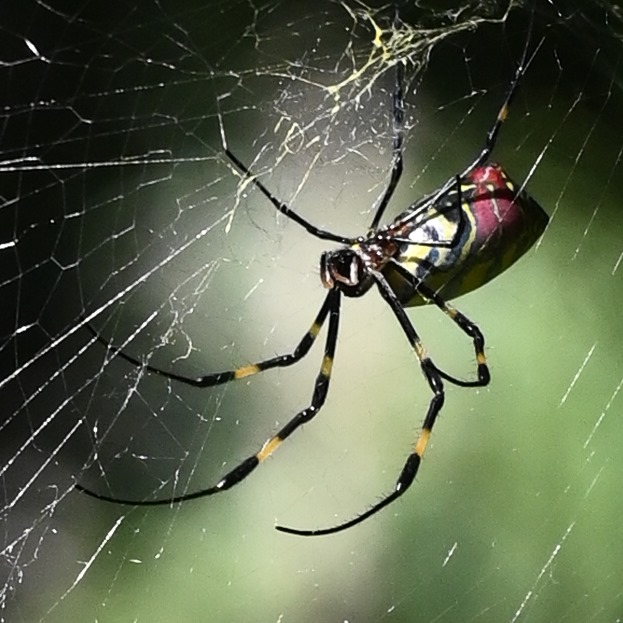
x=421, y=443
x=268, y=448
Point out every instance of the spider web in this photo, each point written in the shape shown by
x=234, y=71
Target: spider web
x=119, y=208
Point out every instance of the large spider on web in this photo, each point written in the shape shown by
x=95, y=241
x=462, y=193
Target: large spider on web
x=447, y=243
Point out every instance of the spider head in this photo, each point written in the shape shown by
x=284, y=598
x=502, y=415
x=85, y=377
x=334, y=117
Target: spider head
x=344, y=269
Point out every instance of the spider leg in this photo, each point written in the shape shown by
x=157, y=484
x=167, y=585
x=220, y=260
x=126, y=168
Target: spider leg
x=219, y=378
x=493, y=132
x=462, y=321
x=285, y=209
x=470, y=329
x=412, y=463
x=331, y=307
x=397, y=143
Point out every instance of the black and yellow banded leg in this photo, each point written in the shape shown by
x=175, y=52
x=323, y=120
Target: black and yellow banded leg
x=330, y=307
x=218, y=378
x=464, y=323
x=321, y=389
x=412, y=463
x=470, y=329
x=492, y=134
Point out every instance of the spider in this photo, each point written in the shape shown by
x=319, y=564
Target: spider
x=447, y=243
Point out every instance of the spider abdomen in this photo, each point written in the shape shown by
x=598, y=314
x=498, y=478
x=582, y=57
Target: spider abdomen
x=467, y=236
